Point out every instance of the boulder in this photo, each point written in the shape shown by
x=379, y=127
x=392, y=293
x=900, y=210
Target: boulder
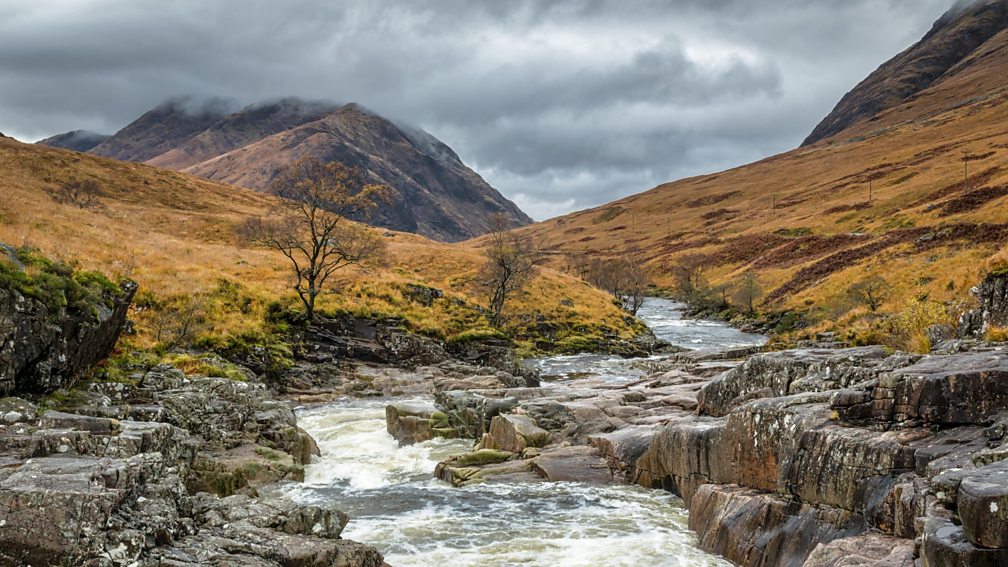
x=514, y=433
x=868, y=550
x=410, y=423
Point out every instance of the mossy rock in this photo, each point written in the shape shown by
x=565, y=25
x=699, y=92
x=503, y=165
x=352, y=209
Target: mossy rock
x=227, y=472
x=482, y=457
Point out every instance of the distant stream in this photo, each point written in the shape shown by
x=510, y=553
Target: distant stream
x=396, y=505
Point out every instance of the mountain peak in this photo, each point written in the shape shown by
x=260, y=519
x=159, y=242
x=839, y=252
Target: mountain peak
x=76, y=140
x=435, y=194
x=953, y=37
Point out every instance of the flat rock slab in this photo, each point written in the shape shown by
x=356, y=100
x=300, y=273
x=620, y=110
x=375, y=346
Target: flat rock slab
x=869, y=550
x=573, y=464
x=958, y=389
x=946, y=544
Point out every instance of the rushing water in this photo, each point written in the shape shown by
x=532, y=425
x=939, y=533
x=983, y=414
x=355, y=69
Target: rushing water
x=665, y=318
x=395, y=503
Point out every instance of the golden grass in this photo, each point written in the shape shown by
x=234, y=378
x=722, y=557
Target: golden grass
x=173, y=234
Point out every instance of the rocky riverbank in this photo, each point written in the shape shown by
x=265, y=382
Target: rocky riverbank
x=155, y=468
x=797, y=457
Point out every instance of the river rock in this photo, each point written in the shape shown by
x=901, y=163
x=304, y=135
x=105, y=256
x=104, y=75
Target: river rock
x=514, y=433
x=411, y=423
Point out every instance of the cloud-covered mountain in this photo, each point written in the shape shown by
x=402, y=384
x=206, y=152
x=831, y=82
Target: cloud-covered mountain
x=434, y=193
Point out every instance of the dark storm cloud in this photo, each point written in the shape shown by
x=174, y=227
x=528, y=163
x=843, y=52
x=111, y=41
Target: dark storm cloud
x=559, y=104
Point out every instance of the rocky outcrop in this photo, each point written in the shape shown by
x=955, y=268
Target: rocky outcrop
x=162, y=470
x=992, y=295
x=806, y=457
x=774, y=479
x=45, y=346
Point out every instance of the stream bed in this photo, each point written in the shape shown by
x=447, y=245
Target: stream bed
x=396, y=505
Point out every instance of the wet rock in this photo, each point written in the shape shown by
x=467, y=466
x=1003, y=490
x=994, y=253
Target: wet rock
x=623, y=447
x=411, y=423
x=749, y=527
x=946, y=544
x=469, y=413
x=573, y=464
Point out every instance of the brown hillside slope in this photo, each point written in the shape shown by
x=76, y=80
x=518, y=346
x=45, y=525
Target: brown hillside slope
x=173, y=233
x=924, y=230
x=956, y=35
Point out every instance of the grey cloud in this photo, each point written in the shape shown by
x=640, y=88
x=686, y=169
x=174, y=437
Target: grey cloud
x=560, y=104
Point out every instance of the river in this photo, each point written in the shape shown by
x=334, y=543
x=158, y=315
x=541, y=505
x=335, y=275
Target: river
x=395, y=503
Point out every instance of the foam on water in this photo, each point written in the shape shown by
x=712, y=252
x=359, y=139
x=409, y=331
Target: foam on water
x=396, y=505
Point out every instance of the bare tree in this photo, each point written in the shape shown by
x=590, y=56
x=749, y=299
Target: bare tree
x=748, y=291
x=82, y=194
x=635, y=282
x=624, y=278
x=688, y=274
x=871, y=292
x=309, y=223
x=510, y=265
x=179, y=321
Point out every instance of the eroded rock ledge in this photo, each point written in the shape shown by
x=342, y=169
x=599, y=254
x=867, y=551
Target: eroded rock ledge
x=162, y=470
x=798, y=457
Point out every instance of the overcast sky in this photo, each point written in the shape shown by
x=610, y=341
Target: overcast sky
x=560, y=105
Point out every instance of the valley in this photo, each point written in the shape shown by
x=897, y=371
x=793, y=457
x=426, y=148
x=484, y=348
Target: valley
x=299, y=332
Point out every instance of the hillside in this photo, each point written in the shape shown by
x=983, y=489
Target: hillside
x=434, y=193
x=884, y=197
x=174, y=234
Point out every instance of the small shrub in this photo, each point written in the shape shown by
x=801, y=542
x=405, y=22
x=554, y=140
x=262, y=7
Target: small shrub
x=907, y=330
x=83, y=194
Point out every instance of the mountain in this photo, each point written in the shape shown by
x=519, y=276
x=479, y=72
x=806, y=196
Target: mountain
x=434, y=193
x=163, y=128
x=884, y=197
x=936, y=57
x=77, y=140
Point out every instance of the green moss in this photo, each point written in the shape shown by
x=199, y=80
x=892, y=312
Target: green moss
x=57, y=285
x=269, y=454
x=482, y=457
x=476, y=335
